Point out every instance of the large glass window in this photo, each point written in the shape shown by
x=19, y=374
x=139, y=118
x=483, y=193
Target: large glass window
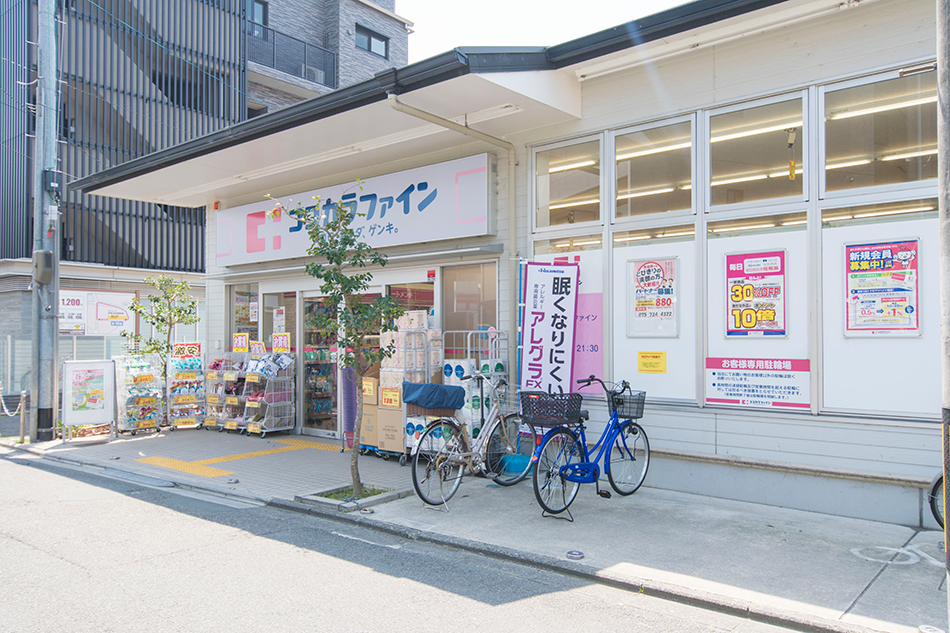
x=654, y=170
x=568, y=184
x=245, y=310
x=756, y=153
x=568, y=245
x=469, y=297
x=881, y=133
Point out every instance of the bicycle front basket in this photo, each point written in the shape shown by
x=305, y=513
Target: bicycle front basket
x=629, y=406
x=550, y=409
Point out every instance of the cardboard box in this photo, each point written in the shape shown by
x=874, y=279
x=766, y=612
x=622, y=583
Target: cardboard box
x=369, y=428
x=370, y=391
x=390, y=430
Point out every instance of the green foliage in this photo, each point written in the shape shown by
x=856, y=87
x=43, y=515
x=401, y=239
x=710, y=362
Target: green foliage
x=341, y=260
x=171, y=306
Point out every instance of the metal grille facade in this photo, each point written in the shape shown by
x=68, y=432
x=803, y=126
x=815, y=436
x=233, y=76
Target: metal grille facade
x=136, y=76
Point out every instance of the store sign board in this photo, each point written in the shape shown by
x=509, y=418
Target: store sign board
x=651, y=298
x=548, y=323
x=99, y=313
x=775, y=383
x=755, y=294
x=881, y=281
x=438, y=202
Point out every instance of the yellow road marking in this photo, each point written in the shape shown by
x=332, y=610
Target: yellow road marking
x=201, y=467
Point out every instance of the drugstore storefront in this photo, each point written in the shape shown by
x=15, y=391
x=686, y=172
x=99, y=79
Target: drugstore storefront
x=455, y=283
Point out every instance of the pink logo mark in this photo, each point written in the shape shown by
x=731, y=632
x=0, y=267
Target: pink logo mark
x=256, y=243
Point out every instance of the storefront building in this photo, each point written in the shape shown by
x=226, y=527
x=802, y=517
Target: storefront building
x=748, y=187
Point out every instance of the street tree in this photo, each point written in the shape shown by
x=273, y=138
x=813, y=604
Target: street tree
x=341, y=263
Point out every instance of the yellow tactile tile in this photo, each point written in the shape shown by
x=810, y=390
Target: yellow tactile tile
x=202, y=468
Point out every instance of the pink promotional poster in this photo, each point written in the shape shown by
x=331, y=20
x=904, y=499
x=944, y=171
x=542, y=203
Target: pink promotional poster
x=755, y=294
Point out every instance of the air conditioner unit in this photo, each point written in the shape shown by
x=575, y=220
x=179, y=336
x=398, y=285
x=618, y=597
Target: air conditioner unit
x=315, y=75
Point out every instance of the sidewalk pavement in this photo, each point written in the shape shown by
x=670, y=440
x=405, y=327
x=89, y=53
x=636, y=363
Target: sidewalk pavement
x=804, y=570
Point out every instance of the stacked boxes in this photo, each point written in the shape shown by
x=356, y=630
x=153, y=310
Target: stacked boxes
x=470, y=414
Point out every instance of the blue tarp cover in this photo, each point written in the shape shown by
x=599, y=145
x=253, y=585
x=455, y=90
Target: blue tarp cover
x=432, y=396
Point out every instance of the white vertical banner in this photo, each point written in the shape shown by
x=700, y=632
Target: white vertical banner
x=547, y=332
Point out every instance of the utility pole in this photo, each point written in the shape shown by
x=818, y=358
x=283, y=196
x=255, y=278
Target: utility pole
x=47, y=189
x=943, y=195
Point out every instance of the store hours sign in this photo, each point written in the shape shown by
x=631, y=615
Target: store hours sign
x=550, y=306
x=438, y=202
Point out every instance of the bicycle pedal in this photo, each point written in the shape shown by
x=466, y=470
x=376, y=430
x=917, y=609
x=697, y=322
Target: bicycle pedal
x=604, y=493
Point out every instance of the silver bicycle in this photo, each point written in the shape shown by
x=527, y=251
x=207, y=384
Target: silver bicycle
x=445, y=452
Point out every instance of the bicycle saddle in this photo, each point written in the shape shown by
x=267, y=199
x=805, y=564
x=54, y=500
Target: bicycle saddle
x=584, y=414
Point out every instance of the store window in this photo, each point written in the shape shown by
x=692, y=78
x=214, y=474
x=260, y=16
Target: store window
x=279, y=315
x=568, y=245
x=470, y=297
x=568, y=185
x=650, y=236
x=245, y=310
x=881, y=133
x=654, y=170
x=904, y=210
x=756, y=153
x=372, y=42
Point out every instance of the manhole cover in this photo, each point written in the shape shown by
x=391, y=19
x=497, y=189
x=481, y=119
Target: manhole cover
x=575, y=555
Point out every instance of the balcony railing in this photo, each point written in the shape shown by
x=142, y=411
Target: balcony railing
x=288, y=54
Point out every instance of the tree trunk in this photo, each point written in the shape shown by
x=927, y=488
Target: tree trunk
x=357, y=427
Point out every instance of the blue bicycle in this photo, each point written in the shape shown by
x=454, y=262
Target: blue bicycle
x=562, y=461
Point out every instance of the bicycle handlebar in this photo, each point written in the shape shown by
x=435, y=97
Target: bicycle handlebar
x=624, y=385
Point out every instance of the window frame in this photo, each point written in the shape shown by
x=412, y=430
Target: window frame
x=708, y=113
x=605, y=174
x=371, y=36
x=901, y=189
x=692, y=119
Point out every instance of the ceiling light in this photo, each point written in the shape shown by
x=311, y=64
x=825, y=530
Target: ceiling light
x=763, y=130
x=794, y=222
x=751, y=227
x=735, y=180
x=572, y=244
x=585, y=163
x=640, y=194
x=579, y=203
x=926, y=152
x=847, y=114
x=850, y=163
x=631, y=238
x=783, y=174
x=654, y=150
x=893, y=212
x=684, y=233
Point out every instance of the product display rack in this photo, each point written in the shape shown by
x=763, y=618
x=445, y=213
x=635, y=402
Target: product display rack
x=214, y=393
x=269, y=396
x=139, y=393
x=320, y=380
x=233, y=377
x=186, y=392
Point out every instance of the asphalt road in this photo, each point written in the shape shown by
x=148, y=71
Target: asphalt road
x=83, y=552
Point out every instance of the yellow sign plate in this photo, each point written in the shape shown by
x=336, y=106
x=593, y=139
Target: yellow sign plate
x=212, y=375
x=230, y=376
x=230, y=426
x=185, y=399
x=253, y=428
x=651, y=362
x=214, y=399
x=143, y=378
x=252, y=404
x=186, y=375
x=145, y=424
x=232, y=400
x=211, y=422
x=141, y=402
x=185, y=422
x=253, y=377
x=390, y=397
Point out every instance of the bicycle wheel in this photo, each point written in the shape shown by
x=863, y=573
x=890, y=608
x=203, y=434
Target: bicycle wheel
x=936, y=499
x=554, y=492
x=508, y=449
x=436, y=464
x=629, y=458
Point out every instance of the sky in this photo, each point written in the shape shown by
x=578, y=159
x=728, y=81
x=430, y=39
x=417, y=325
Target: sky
x=441, y=25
